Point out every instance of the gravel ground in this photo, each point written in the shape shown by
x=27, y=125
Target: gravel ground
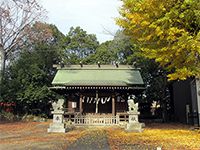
x=94, y=140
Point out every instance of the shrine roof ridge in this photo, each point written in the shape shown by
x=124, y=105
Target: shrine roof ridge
x=95, y=67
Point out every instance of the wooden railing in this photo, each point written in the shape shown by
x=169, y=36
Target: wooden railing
x=97, y=119
x=94, y=120
x=123, y=116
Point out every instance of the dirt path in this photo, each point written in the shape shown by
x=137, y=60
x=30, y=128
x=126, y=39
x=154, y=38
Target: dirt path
x=95, y=140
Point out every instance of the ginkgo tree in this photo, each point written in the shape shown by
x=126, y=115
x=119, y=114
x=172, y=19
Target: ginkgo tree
x=167, y=31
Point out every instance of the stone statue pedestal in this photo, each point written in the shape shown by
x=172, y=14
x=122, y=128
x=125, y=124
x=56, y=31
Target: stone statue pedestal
x=58, y=122
x=133, y=124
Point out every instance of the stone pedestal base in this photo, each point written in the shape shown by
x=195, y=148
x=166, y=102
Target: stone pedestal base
x=134, y=127
x=133, y=123
x=58, y=122
x=57, y=127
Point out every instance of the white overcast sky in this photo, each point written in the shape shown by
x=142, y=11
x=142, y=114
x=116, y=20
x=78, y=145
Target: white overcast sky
x=94, y=16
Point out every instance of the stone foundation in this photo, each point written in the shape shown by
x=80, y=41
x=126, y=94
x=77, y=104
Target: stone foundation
x=133, y=123
x=58, y=122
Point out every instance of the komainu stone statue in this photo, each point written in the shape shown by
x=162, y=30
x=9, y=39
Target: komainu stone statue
x=132, y=106
x=58, y=105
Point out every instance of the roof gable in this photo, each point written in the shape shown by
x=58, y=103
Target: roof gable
x=106, y=75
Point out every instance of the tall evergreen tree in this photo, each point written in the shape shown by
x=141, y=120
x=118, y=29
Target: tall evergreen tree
x=79, y=45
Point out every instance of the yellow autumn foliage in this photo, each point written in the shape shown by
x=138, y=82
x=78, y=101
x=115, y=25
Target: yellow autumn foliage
x=166, y=136
x=168, y=31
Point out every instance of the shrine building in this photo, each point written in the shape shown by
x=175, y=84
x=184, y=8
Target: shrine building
x=97, y=89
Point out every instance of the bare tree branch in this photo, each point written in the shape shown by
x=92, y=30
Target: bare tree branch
x=108, y=32
x=15, y=17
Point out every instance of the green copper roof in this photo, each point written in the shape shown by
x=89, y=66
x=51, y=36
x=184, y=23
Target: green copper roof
x=94, y=76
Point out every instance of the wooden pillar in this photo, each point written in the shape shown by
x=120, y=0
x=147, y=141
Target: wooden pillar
x=81, y=104
x=113, y=105
x=97, y=103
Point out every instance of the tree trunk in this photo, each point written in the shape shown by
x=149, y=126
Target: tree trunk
x=198, y=98
x=2, y=66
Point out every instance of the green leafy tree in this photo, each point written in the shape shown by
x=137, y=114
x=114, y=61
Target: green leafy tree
x=79, y=45
x=30, y=75
x=33, y=73
x=122, y=46
x=117, y=50
x=167, y=31
x=103, y=54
